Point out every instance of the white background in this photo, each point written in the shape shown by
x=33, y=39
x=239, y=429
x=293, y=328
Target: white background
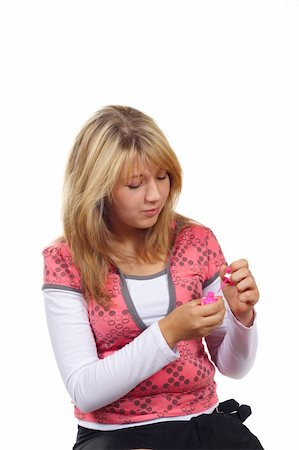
x=221, y=80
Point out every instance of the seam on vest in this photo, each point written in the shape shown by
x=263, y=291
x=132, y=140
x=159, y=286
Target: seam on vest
x=210, y=280
x=59, y=286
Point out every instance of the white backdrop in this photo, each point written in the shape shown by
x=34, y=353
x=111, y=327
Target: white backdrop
x=221, y=80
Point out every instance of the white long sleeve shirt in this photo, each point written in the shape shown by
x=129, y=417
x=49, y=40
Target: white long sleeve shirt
x=93, y=383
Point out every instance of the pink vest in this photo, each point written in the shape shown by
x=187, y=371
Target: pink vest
x=185, y=386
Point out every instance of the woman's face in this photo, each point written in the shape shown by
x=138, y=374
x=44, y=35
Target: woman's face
x=138, y=199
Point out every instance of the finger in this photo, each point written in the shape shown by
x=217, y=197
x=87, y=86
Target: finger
x=195, y=302
x=212, y=308
x=239, y=264
x=250, y=296
x=244, y=281
x=240, y=275
x=222, y=270
x=213, y=321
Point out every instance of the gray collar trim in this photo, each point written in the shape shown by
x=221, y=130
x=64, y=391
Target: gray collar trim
x=129, y=302
x=146, y=277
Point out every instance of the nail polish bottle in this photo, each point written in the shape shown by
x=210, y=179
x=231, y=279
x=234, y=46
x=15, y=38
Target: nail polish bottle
x=210, y=298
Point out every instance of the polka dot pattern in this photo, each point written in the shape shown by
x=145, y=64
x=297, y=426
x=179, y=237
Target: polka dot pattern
x=185, y=386
x=196, y=258
x=59, y=268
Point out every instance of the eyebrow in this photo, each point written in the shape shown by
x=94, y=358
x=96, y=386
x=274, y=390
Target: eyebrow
x=132, y=176
x=136, y=176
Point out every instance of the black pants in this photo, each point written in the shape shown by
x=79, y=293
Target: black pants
x=221, y=430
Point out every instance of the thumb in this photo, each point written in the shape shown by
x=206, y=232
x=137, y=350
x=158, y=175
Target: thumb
x=196, y=301
x=223, y=270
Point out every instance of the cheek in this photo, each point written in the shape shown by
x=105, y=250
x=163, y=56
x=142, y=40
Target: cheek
x=128, y=201
x=166, y=190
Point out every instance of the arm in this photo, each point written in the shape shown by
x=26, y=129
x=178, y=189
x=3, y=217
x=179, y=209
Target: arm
x=92, y=382
x=232, y=346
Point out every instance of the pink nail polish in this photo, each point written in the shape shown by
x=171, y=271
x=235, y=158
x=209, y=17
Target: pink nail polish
x=226, y=278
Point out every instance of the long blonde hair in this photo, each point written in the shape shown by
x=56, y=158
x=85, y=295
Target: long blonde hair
x=109, y=142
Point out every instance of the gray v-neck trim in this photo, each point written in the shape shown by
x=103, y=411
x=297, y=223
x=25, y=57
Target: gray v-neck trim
x=129, y=302
x=146, y=277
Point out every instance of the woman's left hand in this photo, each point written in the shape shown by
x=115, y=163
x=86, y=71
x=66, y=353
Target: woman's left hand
x=243, y=293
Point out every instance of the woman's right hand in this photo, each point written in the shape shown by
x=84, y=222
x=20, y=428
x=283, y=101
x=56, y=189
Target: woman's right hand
x=192, y=321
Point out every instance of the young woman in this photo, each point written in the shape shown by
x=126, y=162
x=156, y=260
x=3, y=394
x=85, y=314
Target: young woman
x=123, y=293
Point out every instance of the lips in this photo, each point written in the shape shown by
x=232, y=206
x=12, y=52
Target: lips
x=151, y=212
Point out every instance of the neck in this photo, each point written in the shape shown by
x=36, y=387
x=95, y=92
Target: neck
x=129, y=245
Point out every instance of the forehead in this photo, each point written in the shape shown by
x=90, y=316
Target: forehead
x=138, y=168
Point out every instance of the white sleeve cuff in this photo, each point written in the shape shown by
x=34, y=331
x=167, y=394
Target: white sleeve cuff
x=237, y=352
x=239, y=325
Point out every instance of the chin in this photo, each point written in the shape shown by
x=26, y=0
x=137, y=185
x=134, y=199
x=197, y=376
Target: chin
x=149, y=224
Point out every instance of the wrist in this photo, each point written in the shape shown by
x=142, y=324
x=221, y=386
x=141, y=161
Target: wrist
x=167, y=332
x=246, y=319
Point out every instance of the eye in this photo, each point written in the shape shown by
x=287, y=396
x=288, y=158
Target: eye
x=134, y=181
x=162, y=177
x=134, y=186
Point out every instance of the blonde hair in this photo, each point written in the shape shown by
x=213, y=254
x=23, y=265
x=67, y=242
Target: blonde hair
x=109, y=142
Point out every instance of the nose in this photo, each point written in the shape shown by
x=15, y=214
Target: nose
x=152, y=193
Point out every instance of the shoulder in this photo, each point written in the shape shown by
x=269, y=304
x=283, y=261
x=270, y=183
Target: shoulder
x=195, y=231
x=59, y=268
x=197, y=243
x=200, y=237
x=57, y=248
